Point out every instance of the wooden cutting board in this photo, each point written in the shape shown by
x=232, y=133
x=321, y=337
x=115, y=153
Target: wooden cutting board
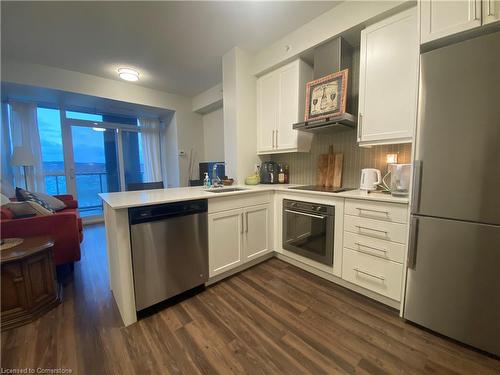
x=337, y=175
x=329, y=173
x=331, y=170
x=322, y=171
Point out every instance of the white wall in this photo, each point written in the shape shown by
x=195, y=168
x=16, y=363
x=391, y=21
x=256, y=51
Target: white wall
x=330, y=24
x=189, y=138
x=208, y=100
x=213, y=135
x=239, y=103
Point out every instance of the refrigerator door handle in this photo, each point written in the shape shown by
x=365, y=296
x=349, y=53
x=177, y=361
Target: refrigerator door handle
x=417, y=186
x=412, y=248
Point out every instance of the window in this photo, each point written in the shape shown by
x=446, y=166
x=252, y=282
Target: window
x=96, y=167
x=132, y=157
x=49, y=128
x=85, y=159
x=83, y=116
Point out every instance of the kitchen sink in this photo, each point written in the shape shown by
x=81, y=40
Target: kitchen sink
x=224, y=190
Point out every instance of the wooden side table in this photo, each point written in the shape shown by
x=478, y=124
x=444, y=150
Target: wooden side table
x=29, y=286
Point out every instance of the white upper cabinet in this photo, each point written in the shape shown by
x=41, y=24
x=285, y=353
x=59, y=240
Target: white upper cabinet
x=267, y=112
x=280, y=104
x=388, y=88
x=491, y=11
x=439, y=19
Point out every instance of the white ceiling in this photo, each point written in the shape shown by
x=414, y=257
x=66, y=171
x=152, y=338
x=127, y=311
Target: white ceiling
x=176, y=46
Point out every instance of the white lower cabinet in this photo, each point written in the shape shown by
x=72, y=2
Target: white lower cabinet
x=238, y=236
x=375, y=236
x=225, y=241
x=256, y=238
x=373, y=273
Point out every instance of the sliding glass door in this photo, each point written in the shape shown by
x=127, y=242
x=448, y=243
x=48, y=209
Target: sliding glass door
x=86, y=154
x=96, y=167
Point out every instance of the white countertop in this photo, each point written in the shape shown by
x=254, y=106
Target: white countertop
x=148, y=197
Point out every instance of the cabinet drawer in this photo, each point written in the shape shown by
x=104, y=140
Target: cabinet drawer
x=234, y=202
x=397, y=213
x=376, y=228
x=379, y=275
x=380, y=248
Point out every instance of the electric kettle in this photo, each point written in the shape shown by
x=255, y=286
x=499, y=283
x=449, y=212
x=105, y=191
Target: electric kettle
x=370, y=178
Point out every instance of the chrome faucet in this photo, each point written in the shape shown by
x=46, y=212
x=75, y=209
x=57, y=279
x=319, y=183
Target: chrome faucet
x=216, y=181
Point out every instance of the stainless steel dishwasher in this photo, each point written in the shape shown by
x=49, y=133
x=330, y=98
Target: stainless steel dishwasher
x=169, y=249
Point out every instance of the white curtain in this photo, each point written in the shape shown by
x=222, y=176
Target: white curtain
x=7, y=177
x=150, y=138
x=24, y=133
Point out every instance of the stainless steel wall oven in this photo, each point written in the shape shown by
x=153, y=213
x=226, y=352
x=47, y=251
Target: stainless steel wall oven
x=308, y=230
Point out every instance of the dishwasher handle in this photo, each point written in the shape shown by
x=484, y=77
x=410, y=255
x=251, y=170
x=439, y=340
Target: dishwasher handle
x=145, y=214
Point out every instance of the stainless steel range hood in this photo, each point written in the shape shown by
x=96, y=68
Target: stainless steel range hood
x=332, y=57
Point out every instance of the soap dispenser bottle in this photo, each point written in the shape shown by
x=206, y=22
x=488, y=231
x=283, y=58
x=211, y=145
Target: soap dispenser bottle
x=206, y=181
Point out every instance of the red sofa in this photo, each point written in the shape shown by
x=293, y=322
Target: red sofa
x=64, y=226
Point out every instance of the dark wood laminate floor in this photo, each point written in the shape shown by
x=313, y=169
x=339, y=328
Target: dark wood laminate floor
x=273, y=318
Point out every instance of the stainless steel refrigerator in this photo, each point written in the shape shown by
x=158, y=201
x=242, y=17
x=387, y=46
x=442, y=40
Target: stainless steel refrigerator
x=453, y=284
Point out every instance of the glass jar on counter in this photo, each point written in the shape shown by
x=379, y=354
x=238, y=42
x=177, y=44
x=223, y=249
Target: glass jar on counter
x=281, y=173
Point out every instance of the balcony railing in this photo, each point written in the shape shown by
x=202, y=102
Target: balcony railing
x=88, y=185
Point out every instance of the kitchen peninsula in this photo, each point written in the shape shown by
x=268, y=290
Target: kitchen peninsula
x=254, y=214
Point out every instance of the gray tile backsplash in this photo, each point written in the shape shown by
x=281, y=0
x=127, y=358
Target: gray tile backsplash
x=303, y=165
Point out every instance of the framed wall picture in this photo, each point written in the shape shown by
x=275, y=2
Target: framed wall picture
x=326, y=96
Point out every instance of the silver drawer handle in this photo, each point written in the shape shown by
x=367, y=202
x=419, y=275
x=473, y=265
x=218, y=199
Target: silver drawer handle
x=375, y=230
x=370, y=247
x=369, y=274
x=370, y=210
x=305, y=214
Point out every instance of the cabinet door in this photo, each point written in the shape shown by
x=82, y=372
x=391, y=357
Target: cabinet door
x=14, y=296
x=267, y=111
x=388, y=80
x=491, y=11
x=40, y=277
x=225, y=241
x=257, y=231
x=440, y=18
x=286, y=136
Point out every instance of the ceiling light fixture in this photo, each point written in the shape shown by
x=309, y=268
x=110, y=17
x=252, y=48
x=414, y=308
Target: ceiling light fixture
x=99, y=129
x=128, y=74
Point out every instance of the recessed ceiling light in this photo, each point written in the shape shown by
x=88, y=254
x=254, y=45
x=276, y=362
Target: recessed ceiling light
x=128, y=74
x=99, y=129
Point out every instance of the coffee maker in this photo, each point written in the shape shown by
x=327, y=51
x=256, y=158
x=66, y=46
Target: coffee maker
x=269, y=172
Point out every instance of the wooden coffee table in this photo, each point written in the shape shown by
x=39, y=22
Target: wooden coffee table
x=29, y=286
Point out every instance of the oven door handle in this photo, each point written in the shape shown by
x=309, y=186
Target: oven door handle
x=306, y=214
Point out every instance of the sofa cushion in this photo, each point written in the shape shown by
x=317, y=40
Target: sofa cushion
x=25, y=195
x=39, y=209
x=21, y=209
x=54, y=203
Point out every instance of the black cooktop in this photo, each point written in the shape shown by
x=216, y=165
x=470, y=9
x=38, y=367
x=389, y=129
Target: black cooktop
x=321, y=188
